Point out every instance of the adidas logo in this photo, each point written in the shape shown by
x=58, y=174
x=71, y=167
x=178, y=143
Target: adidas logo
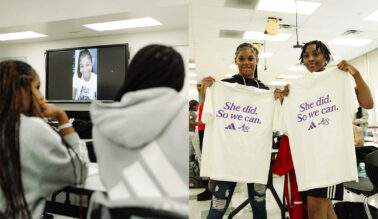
x=231, y=126
x=312, y=126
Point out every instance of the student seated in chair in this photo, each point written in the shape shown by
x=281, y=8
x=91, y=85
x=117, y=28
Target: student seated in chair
x=35, y=160
x=141, y=140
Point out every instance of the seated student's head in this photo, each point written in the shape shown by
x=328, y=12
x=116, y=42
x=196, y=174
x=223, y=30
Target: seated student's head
x=154, y=66
x=315, y=56
x=19, y=94
x=19, y=89
x=85, y=64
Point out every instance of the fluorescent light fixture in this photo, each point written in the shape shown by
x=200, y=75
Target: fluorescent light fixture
x=192, y=65
x=336, y=58
x=250, y=35
x=228, y=75
x=192, y=74
x=289, y=76
x=297, y=68
x=124, y=24
x=349, y=42
x=265, y=55
x=279, y=83
x=192, y=81
x=288, y=6
x=373, y=16
x=20, y=35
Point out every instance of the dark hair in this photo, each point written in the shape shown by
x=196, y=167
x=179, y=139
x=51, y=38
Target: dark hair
x=192, y=104
x=82, y=54
x=15, y=86
x=154, y=66
x=254, y=51
x=319, y=45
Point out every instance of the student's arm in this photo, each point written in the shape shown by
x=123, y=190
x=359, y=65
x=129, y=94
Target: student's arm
x=56, y=113
x=206, y=82
x=362, y=90
x=53, y=165
x=68, y=133
x=193, y=123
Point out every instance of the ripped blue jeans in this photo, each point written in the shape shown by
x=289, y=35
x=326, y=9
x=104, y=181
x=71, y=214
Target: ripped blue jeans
x=222, y=194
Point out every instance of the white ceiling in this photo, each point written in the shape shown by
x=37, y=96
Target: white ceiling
x=213, y=55
x=64, y=19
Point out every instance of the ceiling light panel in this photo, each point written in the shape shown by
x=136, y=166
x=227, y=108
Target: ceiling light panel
x=251, y=35
x=20, y=35
x=124, y=24
x=278, y=83
x=265, y=55
x=289, y=76
x=192, y=65
x=350, y=42
x=373, y=16
x=288, y=6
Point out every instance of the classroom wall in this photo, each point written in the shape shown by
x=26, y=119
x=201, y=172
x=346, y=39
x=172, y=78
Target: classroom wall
x=367, y=64
x=33, y=53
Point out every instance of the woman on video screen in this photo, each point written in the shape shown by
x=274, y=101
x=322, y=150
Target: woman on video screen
x=84, y=84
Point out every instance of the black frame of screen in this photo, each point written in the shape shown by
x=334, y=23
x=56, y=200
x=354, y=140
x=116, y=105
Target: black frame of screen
x=127, y=55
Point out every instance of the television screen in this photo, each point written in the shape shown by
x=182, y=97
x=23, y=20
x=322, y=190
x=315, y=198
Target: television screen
x=85, y=74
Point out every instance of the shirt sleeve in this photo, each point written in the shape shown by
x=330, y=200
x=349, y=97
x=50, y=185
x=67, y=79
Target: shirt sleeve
x=78, y=146
x=56, y=165
x=207, y=113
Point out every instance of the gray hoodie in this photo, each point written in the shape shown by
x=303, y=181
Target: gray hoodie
x=141, y=144
x=45, y=163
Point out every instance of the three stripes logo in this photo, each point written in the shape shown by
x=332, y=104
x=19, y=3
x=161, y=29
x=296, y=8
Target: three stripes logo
x=312, y=126
x=231, y=126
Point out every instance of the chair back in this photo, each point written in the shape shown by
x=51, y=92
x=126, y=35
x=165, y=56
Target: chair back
x=371, y=166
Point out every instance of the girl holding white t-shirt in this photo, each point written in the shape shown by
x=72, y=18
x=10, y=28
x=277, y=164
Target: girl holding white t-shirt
x=246, y=58
x=315, y=56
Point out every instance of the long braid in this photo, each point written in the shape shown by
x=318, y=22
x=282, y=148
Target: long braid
x=15, y=86
x=10, y=110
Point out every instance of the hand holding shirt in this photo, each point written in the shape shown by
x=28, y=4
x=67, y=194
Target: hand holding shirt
x=238, y=134
x=318, y=115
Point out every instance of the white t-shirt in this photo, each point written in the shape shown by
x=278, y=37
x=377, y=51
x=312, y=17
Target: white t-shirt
x=238, y=136
x=85, y=90
x=317, y=115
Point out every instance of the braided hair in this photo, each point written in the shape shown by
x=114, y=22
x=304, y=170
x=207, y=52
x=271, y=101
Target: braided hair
x=319, y=45
x=16, y=79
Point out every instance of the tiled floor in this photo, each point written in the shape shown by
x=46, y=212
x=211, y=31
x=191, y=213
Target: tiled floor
x=199, y=210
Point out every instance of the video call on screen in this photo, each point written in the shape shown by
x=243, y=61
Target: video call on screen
x=110, y=67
